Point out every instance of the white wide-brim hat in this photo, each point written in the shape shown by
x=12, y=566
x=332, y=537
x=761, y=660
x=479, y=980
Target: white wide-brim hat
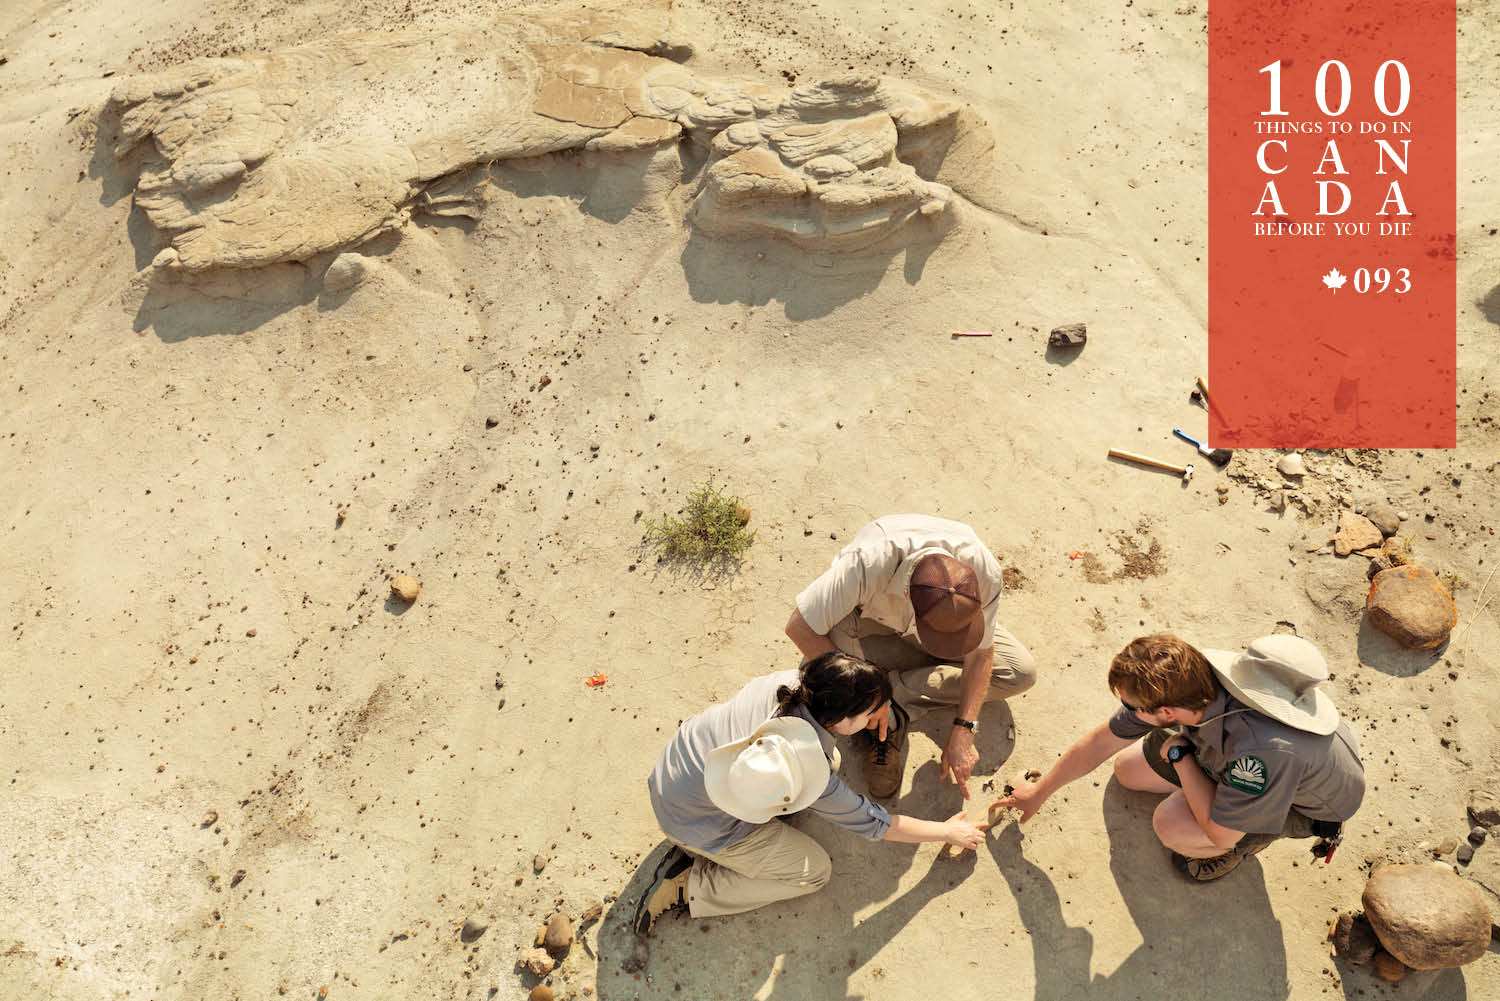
x=1279, y=676
x=777, y=770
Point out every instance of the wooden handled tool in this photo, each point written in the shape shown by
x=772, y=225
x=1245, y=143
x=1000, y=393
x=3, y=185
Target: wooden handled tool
x=1186, y=472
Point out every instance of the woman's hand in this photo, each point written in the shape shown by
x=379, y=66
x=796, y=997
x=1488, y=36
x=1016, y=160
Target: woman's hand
x=964, y=835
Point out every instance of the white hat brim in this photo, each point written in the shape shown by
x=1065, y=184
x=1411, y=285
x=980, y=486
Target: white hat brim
x=1321, y=718
x=806, y=747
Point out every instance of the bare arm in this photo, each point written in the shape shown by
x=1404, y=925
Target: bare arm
x=959, y=755
x=1087, y=753
x=810, y=643
x=955, y=831
x=1198, y=789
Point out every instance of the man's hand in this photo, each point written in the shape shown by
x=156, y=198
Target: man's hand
x=1027, y=797
x=1178, y=741
x=959, y=758
x=880, y=721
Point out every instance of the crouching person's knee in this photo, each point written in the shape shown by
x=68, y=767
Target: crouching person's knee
x=1013, y=671
x=819, y=869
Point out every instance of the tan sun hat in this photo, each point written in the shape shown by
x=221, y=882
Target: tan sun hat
x=1279, y=676
x=777, y=770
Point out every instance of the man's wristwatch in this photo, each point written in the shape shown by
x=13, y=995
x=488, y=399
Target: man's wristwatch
x=1177, y=752
x=968, y=724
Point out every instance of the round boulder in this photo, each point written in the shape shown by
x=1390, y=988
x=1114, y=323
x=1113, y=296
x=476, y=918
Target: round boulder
x=1427, y=916
x=1410, y=605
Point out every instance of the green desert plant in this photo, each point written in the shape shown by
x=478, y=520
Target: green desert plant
x=711, y=529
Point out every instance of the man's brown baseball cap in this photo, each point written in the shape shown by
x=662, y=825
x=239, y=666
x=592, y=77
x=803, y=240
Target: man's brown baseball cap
x=945, y=595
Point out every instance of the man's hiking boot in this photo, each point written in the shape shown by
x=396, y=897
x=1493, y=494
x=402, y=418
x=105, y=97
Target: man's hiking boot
x=668, y=889
x=1206, y=869
x=884, y=765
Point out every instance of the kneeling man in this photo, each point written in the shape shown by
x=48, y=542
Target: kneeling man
x=920, y=597
x=1258, y=753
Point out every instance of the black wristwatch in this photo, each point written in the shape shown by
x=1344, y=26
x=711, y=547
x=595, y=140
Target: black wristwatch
x=1177, y=752
x=968, y=724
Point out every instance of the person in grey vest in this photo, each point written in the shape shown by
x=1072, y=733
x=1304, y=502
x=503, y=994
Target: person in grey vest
x=730, y=776
x=919, y=596
x=1246, y=747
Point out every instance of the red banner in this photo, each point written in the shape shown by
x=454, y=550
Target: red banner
x=1332, y=204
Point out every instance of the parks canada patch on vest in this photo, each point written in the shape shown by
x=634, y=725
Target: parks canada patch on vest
x=1247, y=773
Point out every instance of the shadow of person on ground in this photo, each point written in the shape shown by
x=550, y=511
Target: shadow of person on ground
x=1216, y=940
x=795, y=950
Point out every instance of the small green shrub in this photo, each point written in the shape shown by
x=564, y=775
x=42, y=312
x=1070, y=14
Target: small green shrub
x=711, y=529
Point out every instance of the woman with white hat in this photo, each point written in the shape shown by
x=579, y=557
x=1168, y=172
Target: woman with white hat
x=721, y=787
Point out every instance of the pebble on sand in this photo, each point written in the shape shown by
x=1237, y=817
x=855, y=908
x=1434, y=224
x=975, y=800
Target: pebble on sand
x=1071, y=335
x=1384, y=517
x=472, y=929
x=405, y=587
x=557, y=937
x=346, y=271
x=541, y=992
x=538, y=963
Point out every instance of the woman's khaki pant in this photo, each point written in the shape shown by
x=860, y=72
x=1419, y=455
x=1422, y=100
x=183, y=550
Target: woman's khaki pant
x=774, y=862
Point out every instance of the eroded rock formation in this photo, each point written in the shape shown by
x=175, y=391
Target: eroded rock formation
x=278, y=157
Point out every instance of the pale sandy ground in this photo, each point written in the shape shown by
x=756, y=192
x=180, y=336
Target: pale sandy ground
x=174, y=457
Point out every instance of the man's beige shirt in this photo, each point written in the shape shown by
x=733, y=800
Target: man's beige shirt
x=872, y=572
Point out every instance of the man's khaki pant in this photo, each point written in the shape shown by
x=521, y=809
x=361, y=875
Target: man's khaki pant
x=918, y=677
x=774, y=862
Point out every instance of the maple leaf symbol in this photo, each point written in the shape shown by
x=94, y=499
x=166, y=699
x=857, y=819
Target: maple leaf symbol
x=1334, y=280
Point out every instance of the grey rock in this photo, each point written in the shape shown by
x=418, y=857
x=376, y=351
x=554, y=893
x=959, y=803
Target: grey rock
x=1427, y=916
x=1353, y=939
x=1477, y=834
x=1384, y=517
x=1410, y=605
x=472, y=929
x=539, y=863
x=1465, y=853
x=1072, y=335
x=346, y=271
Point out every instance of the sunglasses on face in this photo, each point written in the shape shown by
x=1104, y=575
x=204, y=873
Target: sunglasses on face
x=1135, y=709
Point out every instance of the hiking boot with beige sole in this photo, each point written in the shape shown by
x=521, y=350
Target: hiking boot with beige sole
x=1205, y=870
x=883, y=767
x=668, y=890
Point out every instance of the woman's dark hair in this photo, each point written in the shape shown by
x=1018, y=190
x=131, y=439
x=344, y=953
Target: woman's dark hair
x=835, y=686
